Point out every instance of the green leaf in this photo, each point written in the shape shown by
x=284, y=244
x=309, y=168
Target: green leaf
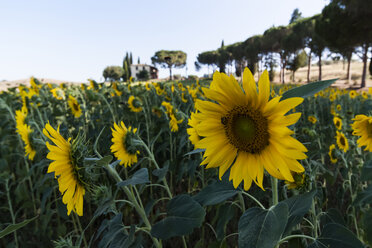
x=332, y=216
x=140, y=177
x=160, y=173
x=104, y=161
x=367, y=224
x=225, y=213
x=194, y=152
x=183, y=215
x=14, y=227
x=367, y=171
x=364, y=197
x=298, y=206
x=308, y=89
x=336, y=236
x=262, y=228
x=215, y=193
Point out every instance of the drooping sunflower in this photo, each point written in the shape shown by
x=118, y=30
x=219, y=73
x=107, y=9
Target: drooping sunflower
x=331, y=152
x=312, y=119
x=338, y=122
x=173, y=123
x=362, y=127
x=122, y=147
x=342, y=142
x=353, y=94
x=66, y=169
x=191, y=131
x=240, y=124
x=134, y=104
x=74, y=106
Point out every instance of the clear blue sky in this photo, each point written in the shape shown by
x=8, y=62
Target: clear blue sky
x=76, y=39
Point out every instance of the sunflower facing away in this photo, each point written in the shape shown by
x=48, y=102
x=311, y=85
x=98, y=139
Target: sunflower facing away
x=65, y=168
x=74, y=106
x=25, y=131
x=242, y=130
x=122, y=148
x=338, y=122
x=362, y=127
x=135, y=104
x=342, y=141
x=173, y=123
x=331, y=152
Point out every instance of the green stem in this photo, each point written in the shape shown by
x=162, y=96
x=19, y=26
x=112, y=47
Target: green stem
x=274, y=190
x=241, y=199
x=11, y=210
x=254, y=199
x=81, y=230
x=296, y=236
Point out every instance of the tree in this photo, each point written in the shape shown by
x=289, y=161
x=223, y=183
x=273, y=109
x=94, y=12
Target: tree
x=169, y=59
x=223, y=57
x=143, y=75
x=297, y=61
x=126, y=66
x=113, y=73
x=237, y=54
x=252, y=48
x=296, y=15
x=208, y=58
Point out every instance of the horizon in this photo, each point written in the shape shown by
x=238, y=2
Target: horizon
x=75, y=41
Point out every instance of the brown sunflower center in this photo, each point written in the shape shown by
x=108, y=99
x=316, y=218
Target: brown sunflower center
x=369, y=130
x=342, y=141
x=246, y=129
x=75, y=106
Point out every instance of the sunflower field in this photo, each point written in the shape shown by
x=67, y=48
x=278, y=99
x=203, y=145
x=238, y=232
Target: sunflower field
x=210, y=163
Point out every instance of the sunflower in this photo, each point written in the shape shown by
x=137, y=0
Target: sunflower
x=245, y=127
x=122, y=147
x=370, y=90
x=332, y=97
x=273, y=93
x=147, y=86
x=183, y=98
x=362, y=127
x=25, y=132
x=66, y=169
x=134, y=104
x=159, y=90
x=342, y=141
x=338, y=107
x=20, y=117
x=173, y=123
x=168, y=107
x=312, y=119
x=330, y=153
x=115, y=87
x=338, y=122
x=191, y=131
x=299, y=182
x=353, y=94
x=364, y=95
x=74, y=106
x=58, y=93
x=172, y=88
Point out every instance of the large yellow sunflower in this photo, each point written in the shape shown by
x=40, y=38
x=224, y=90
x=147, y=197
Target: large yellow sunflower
x=362, y=127
x=135, y=104
x=65, y=168
x=122, y=148
x=74, y=106
x=338, y=122
x=342, y=141
x=242, y=130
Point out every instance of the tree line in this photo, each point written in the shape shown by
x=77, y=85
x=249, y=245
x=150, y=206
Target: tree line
x=344, y=27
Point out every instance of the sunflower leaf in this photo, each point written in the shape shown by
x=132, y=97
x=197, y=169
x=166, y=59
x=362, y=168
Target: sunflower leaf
x=308, y=89
x=194, y=151
x=215, y=193
x=139, y=177
x=367, y=171
x=364, y=197
x=335, y=235
x=262, y=228
x=14, y=227
x=298, y=206
x=183, y=215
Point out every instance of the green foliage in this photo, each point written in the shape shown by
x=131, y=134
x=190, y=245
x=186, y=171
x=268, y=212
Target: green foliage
x=169, y=59
x=113, y=73
x=215, y=193
x=296, y=15
x=14, y=227
x=308, y=89
x=143, y=75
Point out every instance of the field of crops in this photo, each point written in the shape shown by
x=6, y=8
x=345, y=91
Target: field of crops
x=185, y=164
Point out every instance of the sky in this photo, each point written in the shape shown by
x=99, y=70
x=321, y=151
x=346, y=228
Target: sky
x=74, y=40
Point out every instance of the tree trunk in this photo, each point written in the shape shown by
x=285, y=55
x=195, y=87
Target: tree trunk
x=308, y=67
x=320, y=67
x=284, y=65
x=294, y=80
x=170, y=72
x=348, y=75
x=365, y=53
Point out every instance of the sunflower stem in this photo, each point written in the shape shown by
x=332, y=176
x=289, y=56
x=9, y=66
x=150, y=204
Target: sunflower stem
x=274, y=190
x=133, y=199
x=81, y=229
x=11, y=210
x=241, y=199
x=296, y=236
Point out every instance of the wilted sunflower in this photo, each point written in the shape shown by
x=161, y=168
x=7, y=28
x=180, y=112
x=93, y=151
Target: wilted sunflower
x=122, y=147
x=330, y=153
x=135, y=104
x=173, y=123
x=66, y=169
x=338, y=122
x=74, y=106
x=312, y=119
x=362, y=127
x=353, y=94
x=245, y=127
x=191, y=131
x=342, y=141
